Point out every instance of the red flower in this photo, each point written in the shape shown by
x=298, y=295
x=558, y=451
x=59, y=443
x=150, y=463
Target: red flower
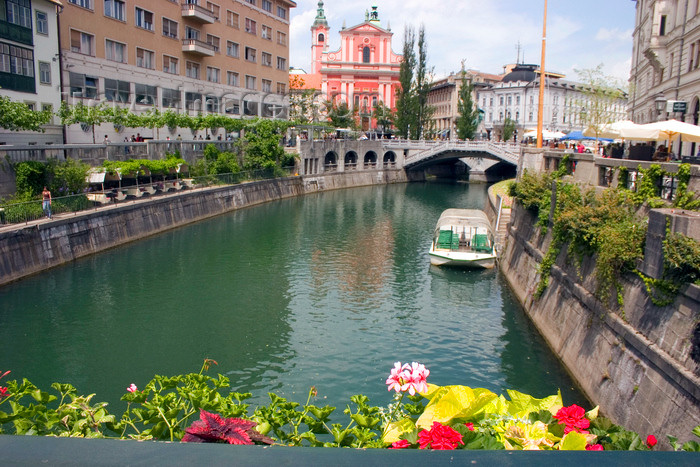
x=3, y=392
x=470, y=426
x=400, y=444
x=439, y=437
x=574, y=418
x=594, y=447
x=651, y=441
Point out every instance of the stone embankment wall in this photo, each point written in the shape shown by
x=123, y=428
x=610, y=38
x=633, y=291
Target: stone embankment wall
x=640, y=363
x=26, y=250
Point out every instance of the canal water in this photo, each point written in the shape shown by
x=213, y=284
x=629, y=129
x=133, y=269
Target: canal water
x=326, y=290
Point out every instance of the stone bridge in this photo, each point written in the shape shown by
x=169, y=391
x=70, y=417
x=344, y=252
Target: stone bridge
x=342, y=155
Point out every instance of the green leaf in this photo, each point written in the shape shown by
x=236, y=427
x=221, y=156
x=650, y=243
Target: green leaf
x=573, y=442
x=520, y=405
x=397, y=430
x=455, y=403
x=696, y=431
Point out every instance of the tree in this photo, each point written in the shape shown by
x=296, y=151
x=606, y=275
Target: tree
x=468, y=119
x=90, y=115
x=262, y=145
x=303, y=104
x=422, y=87
x=16, y=116
x=383, y=115
x=405, y=96
x=339, y=114
x=602, y=94
x=508, y=128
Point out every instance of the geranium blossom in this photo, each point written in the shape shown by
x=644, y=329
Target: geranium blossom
x=651, y=441
x=439, y=437
x=400, y=444
x=594, y=447
x=3, y=392
x=411, y=378
x=470, y=426
x=574, y=418
x=132, y=388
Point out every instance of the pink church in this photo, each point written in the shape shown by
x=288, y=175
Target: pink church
x=362, y=72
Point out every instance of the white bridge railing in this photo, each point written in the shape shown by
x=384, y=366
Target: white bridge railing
x=509, y=152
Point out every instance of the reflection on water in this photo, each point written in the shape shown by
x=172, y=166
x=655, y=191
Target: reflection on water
x=326, y=290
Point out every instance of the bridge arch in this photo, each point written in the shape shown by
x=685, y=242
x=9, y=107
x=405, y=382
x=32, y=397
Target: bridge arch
x=389, y=159
x=330, y=162
x=370, y=159
x=350, y=160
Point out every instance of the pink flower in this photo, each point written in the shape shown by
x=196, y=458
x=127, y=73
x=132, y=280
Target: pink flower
x=594, y=447
x=470, y=426
x=651, y=441
x=419, y=375
x=400, y=444
x=439, y=437
x=3, y=392
x=399, y=377
x=574, y=418
x=411, y=378
x=132, y=388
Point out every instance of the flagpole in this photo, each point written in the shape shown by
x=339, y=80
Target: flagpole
x=540, y=107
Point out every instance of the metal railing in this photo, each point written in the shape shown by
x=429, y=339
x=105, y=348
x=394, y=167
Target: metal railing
x=61, y=206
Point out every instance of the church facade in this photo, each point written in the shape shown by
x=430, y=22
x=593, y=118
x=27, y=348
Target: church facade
x=362, y=72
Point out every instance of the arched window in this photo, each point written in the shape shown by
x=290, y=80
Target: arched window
x=365, y=55
x=321, y=37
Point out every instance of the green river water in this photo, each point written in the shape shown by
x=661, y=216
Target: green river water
x=326, y=290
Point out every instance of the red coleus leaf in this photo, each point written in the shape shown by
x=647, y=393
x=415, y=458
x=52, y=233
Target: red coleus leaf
x=213, y=428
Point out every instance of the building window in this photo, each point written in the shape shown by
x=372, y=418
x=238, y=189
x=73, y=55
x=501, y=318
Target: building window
x=252, y=2
x=44, y=73
x=144, y=19
x=266, y=32
x=232, y=106
x=232, y=19
x=281, y=88
x=82, y=3
x=117, y=91
x=251, y=26
x=82, y=85
x=193, y=101
x=500, y=100
x=169, y=28
x=115, y=51
x=250, y=54
x=115, y=9
x=42, y=23
x=282, y=12
x=281, y=38
x=250, y=82
x=82, y=43
x=266, y=85
x=213, y=74
x=214, y=8
x=281, y=63
x=365, y=55
x=510, y=100
x=145, y=58
x=145, y=94
x=170, y=65
x=662, y=26
x=232, y=49
x=191, y=33
x=266, y=5
x=214, y=41
x=212, y=103
x=232, y=78
x=171, y=98
x=192, y=70
x=266, y=59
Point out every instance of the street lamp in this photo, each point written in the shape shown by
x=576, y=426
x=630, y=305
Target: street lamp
x=660, y=104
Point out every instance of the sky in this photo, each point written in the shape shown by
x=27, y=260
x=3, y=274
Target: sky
x=581, y=34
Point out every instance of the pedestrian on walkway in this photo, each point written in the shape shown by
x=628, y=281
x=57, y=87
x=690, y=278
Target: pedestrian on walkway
x=46, y=202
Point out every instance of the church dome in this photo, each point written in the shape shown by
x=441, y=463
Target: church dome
x=521, y=73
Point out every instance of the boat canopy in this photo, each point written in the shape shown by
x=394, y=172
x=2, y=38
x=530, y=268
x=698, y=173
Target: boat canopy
x=463, y=217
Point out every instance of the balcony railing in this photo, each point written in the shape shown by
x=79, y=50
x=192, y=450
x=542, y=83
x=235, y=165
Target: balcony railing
x=196, y=46
x=198, y=13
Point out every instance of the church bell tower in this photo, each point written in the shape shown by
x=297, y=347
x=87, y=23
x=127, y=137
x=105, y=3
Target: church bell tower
x=319, y=38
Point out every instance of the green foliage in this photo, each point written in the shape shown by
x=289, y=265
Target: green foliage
x=681, y=259
x=468, y=119
x=339, y=114
x=262, y=149
x=30, y=177
x=67, y=177
x=685, y=199
x=384, y=116
x=508, y=128
x=649, y=185
x=601, y=95
x=16, y=116
x=406, y=102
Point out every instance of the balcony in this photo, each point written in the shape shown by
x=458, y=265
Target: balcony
x=197, y=47
x=16, y=33
x=197, y=13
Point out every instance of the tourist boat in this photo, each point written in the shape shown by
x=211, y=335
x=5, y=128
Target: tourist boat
x=463, y=237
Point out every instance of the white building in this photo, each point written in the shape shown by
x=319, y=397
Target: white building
x=516, y=97
x=29, y=63
x=666, y=63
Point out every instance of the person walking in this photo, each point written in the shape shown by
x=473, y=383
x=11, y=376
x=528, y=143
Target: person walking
x=46, y=202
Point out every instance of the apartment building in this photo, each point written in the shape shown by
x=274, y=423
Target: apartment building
x=196, y=56
x=29, y=63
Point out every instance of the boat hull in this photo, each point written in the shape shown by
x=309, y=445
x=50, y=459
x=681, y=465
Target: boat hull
x=463, y=260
